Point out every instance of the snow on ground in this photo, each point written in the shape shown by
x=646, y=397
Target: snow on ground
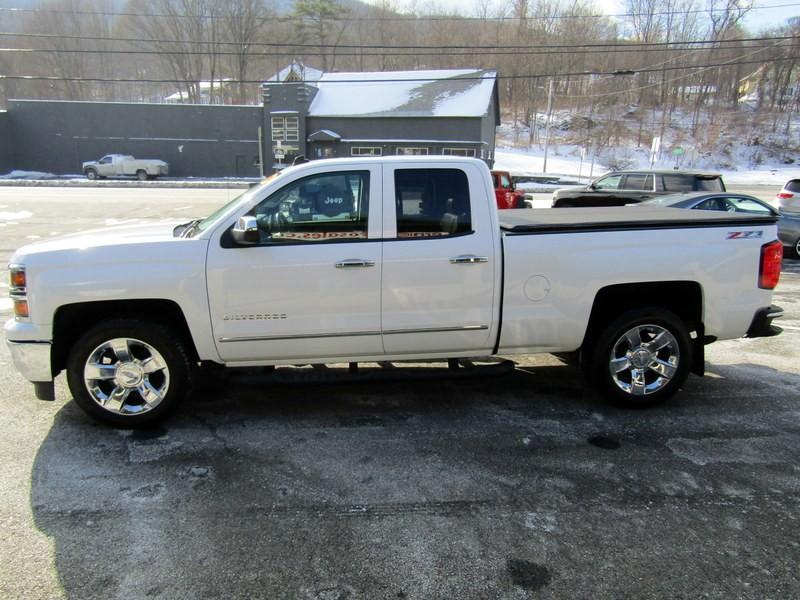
x=568, y=163
x=12, y=217
x=531, y=162
x=27, y=175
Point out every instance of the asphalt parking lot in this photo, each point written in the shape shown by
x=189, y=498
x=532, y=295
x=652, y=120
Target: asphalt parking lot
x=524, y=485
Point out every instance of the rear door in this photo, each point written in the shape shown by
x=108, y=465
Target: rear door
x=636, y=187
x=440, y=260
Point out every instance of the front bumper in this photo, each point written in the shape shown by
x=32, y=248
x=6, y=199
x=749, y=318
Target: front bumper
x=32, y=360
x=762, y=322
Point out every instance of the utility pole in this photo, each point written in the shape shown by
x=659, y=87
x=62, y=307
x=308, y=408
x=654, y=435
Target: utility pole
x=547, y=124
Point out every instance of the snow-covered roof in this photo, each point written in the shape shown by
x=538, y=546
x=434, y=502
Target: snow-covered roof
x=202, y=86
x=302, y=72
x=443, y=93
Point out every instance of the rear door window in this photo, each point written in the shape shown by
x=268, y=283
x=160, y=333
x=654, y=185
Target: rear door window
x=432, y=203
x=638, y=181
x=712, y=204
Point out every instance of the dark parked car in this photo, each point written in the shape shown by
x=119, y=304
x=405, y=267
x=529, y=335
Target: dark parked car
x=788, y=223
x=629, y=187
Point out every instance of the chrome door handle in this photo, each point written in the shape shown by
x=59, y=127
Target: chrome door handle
x=354, y=263
x=468, y=259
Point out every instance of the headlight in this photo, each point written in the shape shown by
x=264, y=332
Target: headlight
x=19, y=291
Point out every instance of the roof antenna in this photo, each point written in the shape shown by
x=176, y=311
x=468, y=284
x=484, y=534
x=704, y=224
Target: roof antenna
x=299, y=160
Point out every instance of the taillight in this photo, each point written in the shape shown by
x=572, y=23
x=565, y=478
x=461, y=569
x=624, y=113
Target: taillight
x=785, y=195
x=769, y=269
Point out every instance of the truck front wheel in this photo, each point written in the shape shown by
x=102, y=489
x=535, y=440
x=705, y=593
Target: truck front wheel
x=91, y=174
x=141, y=175
x=641, y=358
x=128, y=373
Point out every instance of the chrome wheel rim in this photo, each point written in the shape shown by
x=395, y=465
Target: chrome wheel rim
x=644, y=360
x=126, y=376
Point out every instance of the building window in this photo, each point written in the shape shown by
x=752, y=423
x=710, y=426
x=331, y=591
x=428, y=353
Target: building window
x=285, y=129
x=366, y=151
x=459, y=152
x=412, y=151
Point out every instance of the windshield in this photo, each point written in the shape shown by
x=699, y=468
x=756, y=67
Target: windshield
x=204, y=224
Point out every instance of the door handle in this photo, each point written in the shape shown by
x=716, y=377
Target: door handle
x=354, y=263
x=468, y=259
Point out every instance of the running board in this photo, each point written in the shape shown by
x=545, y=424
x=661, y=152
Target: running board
x=458, y=368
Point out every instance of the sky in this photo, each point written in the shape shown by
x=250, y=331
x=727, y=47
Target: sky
x=773, y=13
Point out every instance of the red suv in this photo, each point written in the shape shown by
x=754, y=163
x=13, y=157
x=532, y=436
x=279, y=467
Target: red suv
x=505, y=191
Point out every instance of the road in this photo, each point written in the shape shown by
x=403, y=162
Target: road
x=518, y=486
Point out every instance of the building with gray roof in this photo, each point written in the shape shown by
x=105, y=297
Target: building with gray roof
x=442, y=112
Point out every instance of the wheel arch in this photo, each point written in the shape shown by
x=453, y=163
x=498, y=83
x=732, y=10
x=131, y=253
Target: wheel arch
x=72, y=320
x=684, y=298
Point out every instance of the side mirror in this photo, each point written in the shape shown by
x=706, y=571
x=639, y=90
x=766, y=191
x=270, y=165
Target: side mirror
x=245, y=232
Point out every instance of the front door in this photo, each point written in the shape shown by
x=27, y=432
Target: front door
x=311, y=288
x=439, y=261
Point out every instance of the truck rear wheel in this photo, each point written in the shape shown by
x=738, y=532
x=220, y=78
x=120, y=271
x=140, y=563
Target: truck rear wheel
x=641, y=358
x=128, y=373
x=141, y=175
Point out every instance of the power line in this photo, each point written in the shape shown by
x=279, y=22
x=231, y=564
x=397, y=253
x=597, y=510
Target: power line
x=731, y=62
x=600, y=46
x=413, y=18
x=442, y=52
x=413, y=79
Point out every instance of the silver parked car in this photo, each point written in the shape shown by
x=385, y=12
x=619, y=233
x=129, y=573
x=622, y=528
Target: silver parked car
x=788, y=199
x=788, y=223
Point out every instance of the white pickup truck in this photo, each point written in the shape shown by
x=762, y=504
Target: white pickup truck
x=115, y=165
x=389, y=259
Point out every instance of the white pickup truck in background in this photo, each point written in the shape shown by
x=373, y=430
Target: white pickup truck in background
x=116, y=165
x=387, y=259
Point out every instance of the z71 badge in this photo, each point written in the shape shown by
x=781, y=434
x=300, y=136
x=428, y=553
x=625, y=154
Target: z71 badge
x=744, y=235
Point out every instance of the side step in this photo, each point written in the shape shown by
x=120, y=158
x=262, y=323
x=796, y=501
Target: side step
x=454, y=368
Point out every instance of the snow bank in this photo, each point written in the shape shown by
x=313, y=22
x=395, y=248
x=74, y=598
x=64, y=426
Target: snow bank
x=27, y=175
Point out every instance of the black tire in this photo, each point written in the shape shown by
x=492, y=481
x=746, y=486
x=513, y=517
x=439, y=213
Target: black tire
x=650, y=387
x=794, y=251
x=141, y=175
x=174, y=380
x=91, y=174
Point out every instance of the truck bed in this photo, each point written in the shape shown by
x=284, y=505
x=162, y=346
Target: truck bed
x=620, y=218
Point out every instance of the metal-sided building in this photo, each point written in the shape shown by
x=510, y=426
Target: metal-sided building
x=451, y=112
